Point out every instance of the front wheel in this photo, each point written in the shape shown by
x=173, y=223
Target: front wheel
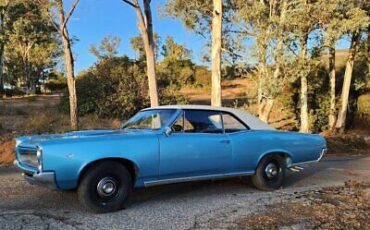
x=105, y=187
x=270, y=173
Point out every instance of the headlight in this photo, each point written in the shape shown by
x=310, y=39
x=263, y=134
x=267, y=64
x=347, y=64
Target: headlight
x=39, y=157
x=17, y=142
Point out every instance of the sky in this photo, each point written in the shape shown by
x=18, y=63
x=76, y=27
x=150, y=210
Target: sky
x=95, y=19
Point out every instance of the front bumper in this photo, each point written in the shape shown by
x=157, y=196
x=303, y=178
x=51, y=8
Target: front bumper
x=46, y=179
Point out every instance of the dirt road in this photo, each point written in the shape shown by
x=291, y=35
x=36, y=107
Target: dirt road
x=180, y=206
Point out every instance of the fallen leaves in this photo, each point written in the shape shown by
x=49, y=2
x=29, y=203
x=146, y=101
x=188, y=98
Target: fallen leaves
x=346, y=207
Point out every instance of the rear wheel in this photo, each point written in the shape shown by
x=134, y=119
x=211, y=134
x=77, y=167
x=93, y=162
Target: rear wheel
x=105, y=187
x=270, y=173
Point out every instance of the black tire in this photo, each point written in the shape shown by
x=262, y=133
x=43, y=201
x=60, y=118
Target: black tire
x=94, y=190
x=265, y=178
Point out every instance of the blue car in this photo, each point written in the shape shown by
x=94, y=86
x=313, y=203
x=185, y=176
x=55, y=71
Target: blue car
x=163, y=145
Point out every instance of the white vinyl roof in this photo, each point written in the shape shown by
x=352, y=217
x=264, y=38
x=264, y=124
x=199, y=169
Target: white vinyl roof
x=253, y=122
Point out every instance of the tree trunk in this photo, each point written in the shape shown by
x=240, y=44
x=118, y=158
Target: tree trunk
x=303, y=96
x=266, y=110
x=267, y=104
x=368, y=50
x=2, y=47
x=332, y=111
x=341, y=121
x=216, y=98
x=261, y=75
x=146, y=30
x=69, y=63
x=1, y=68
x=150, y=55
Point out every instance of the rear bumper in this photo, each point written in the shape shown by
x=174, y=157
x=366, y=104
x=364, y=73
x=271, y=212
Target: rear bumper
x=46, y=179
x=323, y=152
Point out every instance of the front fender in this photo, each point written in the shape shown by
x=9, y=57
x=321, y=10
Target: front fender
x=68, y=158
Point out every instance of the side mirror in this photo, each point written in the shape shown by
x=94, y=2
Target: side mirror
x=167, y=131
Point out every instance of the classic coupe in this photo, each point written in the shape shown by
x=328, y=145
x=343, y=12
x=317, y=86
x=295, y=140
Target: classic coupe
x=162, y=145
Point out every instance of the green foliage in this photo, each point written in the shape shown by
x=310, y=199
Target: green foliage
x=137, y=45
x=31, y=45
x=117, y=88
x=112, y=88
x=107, y=48
x=58, y=83
x=202, y=76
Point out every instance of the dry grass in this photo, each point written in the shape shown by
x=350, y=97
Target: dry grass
x=7, y=155
x=346, y=207
x=36, y=115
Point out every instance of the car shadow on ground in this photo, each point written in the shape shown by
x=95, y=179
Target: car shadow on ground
x=37, y=197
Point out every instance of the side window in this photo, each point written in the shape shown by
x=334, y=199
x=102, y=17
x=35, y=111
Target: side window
x=178, y=126
x=231, y=124
x=198, y=121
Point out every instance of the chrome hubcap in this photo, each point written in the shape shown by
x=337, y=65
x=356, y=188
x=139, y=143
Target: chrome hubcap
x=271, y=170
x=106, y=187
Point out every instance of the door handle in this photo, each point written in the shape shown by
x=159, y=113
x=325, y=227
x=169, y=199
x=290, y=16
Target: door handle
x=225, y=141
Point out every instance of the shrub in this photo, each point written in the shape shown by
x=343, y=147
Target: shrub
x=202, y=76
x=57, y=84
x=110, y=89
x=117, y=88
x=14, y=92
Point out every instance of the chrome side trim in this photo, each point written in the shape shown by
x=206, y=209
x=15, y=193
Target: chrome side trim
x=196, y=178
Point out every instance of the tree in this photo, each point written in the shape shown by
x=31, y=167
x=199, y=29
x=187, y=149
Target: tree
x=216, y=97
x=145, y=25
x=176, y=68
x=107, y=49
x=303, y=21
x=3, y=13
x=60, y=25
x=331, y=23
x=172, y=50
x=266, y=23
x=137, y=45
x=32, y=45
x=203, y=19
x=356, y=21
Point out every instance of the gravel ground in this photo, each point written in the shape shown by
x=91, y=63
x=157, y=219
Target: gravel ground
x=200, y=205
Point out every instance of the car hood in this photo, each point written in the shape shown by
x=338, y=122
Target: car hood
x=31, y=141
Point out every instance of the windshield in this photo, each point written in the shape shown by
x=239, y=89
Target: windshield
x=150, y=119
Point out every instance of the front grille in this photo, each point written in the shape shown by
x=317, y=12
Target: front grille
x=28, y=156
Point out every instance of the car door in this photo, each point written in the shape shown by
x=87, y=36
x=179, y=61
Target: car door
x=246, y=146
x=197, y=146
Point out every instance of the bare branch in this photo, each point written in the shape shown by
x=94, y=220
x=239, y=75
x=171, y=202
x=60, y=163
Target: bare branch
x=130, y=3
x=48, y=13
x=53, y=22
x=69, y=14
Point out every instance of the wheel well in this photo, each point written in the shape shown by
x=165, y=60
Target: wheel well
x=131, y=167
x=285, y=155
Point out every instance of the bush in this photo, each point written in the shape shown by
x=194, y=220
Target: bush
x=362, y=117
x=14, y=92
x=110, y=89
x=202, y=76
x=57, y=84
x=117, y=88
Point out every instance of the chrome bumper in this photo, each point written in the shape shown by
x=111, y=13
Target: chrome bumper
x=46, y=179
x=323, y=152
